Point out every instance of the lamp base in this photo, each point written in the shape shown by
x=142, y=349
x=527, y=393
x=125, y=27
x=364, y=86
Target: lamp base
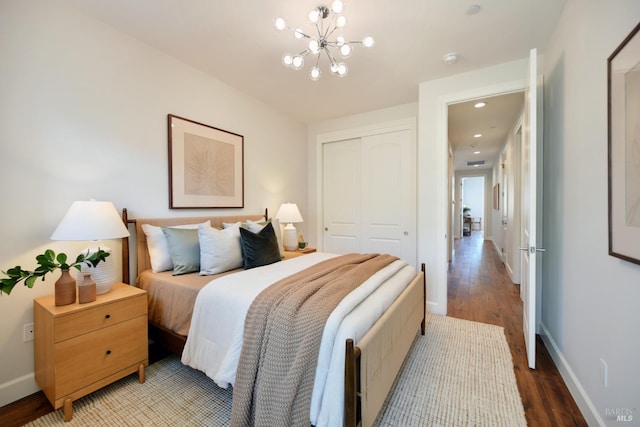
x=290, y=238
x=102, y=273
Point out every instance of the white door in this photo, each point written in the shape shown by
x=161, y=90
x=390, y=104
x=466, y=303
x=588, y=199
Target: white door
x=369, y=195
x=342, y=188
x=530, y=188
x=388, y=211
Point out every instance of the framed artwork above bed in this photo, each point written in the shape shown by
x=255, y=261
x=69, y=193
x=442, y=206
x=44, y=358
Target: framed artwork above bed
x=206, y=166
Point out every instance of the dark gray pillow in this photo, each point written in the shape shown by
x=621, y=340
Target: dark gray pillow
x=259, y=248
x=184, y=247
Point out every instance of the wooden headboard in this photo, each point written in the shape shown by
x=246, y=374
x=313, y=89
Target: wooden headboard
x=142, y=254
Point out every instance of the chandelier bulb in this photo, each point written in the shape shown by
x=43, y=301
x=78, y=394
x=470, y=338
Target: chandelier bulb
x=314, y=15
x=297, y=62
x=298, y=33
x=368, y=41
x=341, y=21
x=280, y=24
x=337, y=6
x=345, y=50
x=314, y=46
x=339, y=41
x=287, y=59
x=315, y=73
x=342, y=69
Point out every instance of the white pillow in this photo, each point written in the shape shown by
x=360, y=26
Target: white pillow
x=256, y=227
x=220, y=250
x=158, y=246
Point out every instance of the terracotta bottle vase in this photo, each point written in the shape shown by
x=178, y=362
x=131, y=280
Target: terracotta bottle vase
x=65, y=293
x=86, y=289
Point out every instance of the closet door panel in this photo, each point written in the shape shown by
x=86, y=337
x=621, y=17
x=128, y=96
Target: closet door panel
x=388, y=177
x=341, y=193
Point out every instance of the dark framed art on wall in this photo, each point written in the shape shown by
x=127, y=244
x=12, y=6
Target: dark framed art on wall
x=623, y=68
x=205, y=166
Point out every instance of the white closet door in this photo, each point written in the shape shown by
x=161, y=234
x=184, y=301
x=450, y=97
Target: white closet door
x=342, y=205
x=388, y=183
x=369, y=187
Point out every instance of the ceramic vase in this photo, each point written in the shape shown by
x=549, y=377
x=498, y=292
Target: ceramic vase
x=65, y=290
x=86, y=289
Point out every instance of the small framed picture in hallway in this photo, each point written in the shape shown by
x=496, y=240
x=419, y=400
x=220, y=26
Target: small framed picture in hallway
x=624, y=148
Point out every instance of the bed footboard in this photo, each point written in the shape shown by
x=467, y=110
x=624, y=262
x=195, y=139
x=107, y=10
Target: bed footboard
x=372, y=366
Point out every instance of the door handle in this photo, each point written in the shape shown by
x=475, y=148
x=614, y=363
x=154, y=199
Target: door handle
x=533, y=249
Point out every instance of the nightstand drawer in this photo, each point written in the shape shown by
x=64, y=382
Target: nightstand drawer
x=89, y=358
x=98, y=317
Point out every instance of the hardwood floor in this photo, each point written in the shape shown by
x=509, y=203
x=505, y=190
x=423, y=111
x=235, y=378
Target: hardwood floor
x=479, y=289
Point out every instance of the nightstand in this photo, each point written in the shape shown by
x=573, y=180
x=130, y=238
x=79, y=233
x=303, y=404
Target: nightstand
x=298, y=252
x=80, y=348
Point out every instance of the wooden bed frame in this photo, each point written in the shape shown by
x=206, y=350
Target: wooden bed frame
x=370, y=367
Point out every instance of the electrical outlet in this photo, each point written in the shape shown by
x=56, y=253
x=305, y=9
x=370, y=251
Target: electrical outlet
x=604, y=370
x=27, y=332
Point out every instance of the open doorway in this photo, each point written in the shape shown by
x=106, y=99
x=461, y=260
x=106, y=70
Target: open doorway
x=472, y=198
x=484, y=138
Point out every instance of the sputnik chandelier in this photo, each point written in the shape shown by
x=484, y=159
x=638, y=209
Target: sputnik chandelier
x=326, y=22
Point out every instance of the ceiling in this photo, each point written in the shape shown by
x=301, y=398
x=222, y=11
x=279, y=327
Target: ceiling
x=236, y=42
x=493, y=122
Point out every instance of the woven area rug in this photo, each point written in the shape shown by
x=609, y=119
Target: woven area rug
x=459, y=374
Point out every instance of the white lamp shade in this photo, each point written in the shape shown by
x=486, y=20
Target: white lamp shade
x=90, y=220
x=93, y=220
x=289, y=213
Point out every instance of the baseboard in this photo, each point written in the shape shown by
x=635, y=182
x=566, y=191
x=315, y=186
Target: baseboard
x=18, y=388
x=579, y=394
x=497, y=248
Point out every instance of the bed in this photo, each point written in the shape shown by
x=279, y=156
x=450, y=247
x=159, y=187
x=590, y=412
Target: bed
x=366, y=366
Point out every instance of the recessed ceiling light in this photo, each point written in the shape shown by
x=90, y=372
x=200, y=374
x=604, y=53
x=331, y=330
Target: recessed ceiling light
x=475, y=166
x=476, y=152
x=477, y=135
x=480, y=104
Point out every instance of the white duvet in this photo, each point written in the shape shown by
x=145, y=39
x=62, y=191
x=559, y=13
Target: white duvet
x=215, y=337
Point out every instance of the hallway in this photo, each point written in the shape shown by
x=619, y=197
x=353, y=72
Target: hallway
x=479, y=289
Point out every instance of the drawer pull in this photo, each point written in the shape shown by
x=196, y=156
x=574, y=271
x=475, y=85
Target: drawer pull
x=108, y=352
x=108, y=316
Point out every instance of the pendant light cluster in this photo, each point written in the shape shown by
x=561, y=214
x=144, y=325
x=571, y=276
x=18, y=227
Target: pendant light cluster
x=326, y=22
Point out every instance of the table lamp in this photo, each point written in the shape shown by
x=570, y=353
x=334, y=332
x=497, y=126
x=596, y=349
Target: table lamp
x=93, y=220
x=289, y=214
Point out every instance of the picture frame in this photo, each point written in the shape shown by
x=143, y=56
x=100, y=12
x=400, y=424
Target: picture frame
x=206, y=166
x=623, y=76
x=496, y=197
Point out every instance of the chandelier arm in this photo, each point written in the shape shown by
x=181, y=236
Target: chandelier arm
x=294, y=31
x=332, y=60
x=328, y=34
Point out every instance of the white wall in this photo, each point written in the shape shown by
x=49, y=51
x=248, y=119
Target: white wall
x=590, y=299
x=432, y=162
x=83, y=114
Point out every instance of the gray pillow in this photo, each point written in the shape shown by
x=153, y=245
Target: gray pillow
x=184, y=248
